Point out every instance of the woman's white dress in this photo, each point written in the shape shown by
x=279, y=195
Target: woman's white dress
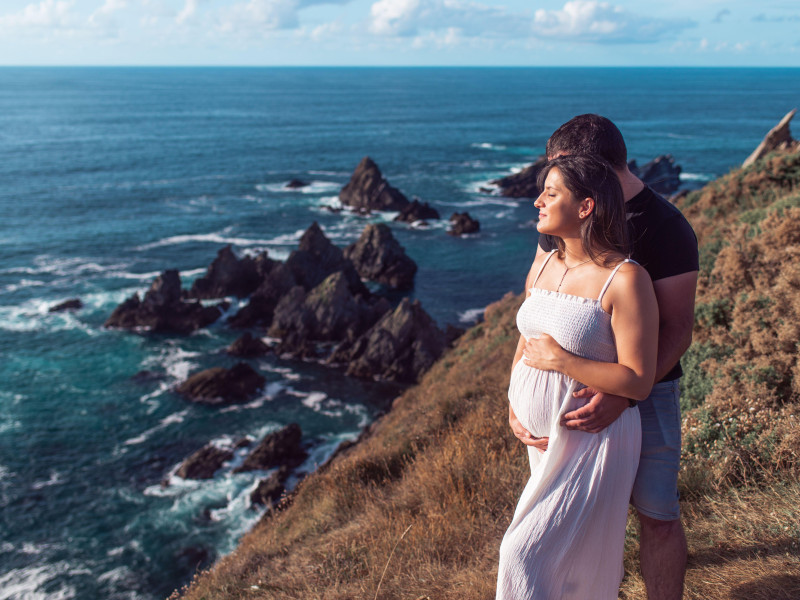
x=567, y=537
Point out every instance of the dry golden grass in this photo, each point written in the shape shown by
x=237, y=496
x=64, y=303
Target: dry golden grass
x=417, y=510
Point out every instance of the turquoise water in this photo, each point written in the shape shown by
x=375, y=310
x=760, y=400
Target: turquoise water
x=108, y=176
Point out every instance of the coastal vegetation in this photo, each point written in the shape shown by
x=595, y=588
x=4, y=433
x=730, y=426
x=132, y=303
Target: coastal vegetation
x=417, y=508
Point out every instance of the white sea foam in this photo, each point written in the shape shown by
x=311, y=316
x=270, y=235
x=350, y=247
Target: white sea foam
x=34, y=315
x=696, y=177
x=488, y=146
x=255, y=403
x=313, y=188
x=471, y=315
x=331, y=202
x=54, y=479
x=211, y=238
x=23, y=283
x=172, y=419
x=484, y=201
x=116, y=575
x=27, y=583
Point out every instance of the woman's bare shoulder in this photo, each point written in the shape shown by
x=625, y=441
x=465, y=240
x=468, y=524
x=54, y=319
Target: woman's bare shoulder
x=631, y=278
x=540, y=259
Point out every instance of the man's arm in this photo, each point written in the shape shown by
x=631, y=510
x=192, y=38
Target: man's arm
x=675, y=297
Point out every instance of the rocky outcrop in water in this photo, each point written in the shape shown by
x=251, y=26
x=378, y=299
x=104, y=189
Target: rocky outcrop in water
x=368, y=190
x=280, y=448
x=218, y=385
x=231, y=276
x=378, y=256
x=661, y=173
x=462, y=223
x=71, y=304
x=247, y=346
x=162, y=309
x=269, y=490
x=777, y=138
x=417, y=211
x=522, y=184
x=313, y=262
x=296, y=184
x=204, y=463
x=316, y=258
x=328, y=313
x=401, y=346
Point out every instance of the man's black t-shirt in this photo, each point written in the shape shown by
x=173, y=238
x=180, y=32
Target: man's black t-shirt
x=662, y=241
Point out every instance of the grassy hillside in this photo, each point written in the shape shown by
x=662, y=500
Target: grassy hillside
x=417, y=510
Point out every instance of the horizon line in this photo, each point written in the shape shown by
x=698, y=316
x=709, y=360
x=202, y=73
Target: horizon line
x=408, y=66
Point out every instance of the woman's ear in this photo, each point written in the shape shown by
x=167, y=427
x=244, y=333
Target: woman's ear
x=587, y=206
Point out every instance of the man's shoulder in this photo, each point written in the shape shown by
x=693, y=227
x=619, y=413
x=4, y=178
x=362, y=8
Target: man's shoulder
x=655, y=211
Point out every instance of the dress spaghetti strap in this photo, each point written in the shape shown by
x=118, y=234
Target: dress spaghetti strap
x=544, y=264
x=610, y=277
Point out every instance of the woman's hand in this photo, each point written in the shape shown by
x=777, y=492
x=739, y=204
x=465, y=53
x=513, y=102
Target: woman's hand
x=523, y=435
x=544, y=353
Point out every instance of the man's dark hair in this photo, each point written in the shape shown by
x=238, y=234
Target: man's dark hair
x=589, y=134
x=604, y=233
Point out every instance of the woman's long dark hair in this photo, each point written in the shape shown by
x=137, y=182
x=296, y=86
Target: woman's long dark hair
x=604, y=233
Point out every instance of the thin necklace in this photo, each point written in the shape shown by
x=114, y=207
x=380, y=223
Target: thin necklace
x=568, y=269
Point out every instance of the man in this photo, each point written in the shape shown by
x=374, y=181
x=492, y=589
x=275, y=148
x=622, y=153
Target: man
x=663, y=242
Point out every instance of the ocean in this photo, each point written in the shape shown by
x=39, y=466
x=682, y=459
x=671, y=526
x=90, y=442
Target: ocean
x=109, y=176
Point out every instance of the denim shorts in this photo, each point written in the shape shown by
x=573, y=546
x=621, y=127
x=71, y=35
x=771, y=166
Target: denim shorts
x=655, y=490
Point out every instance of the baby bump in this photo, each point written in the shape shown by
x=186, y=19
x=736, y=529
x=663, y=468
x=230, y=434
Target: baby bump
x=535, y=397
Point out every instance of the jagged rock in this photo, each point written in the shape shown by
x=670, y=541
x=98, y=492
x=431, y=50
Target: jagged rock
x=282, y=447
x=230, y=276
x=204, y=463
x=297, y=183
x=71, y=304
x=661, y=173
x=247, y=345
x=401, y=346
x=222, y=386
x=269, y=490
x=316, y=258
x=367, y=190
x=328, y=313
x=417, y=211
x=379, y=257
x=263, y=301
x=162, y=309
x=522, y=184
x=291, y=314
x=778, y=138
x=461, y=223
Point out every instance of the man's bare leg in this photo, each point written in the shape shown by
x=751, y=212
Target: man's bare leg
x=662, y=551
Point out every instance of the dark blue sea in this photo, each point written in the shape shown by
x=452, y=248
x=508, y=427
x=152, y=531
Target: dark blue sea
x=109, y=176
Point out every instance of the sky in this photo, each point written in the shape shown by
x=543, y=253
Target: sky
x=400, y=32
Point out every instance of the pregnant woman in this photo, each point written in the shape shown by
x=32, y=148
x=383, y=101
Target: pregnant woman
x=589, y=318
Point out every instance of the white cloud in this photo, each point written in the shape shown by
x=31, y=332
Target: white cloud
x=395, y=17
x=102, y=16
x=189, y=9
x=600, y=22
x=446, y=19
x=50, y=14
x=257, y=16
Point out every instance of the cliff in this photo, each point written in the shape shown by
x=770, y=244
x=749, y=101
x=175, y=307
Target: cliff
x=417, y=508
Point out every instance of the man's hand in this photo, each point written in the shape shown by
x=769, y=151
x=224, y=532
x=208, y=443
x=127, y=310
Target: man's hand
x=600, y=412
x=523, y=435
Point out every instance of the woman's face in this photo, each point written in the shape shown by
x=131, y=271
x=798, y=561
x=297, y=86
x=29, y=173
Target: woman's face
x=559, y=211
